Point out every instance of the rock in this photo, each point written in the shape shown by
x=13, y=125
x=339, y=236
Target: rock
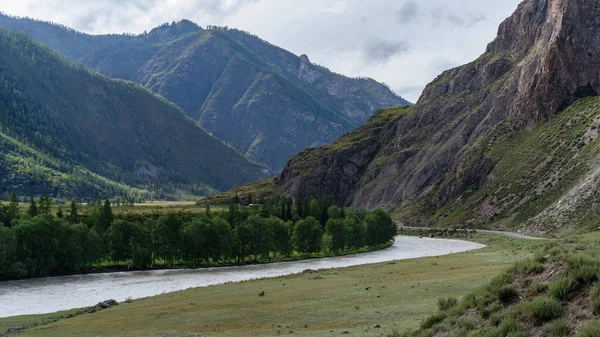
x=376, y=326
x=14, y=329
x=345, y=332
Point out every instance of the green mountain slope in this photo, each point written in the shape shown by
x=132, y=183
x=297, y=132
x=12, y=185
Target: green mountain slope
x=66, y=119
x=265, y=101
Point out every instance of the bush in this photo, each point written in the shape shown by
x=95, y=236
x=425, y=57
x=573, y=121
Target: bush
x=537, y=288
x=585, y=274
x=507, y=294
x=433, y=320
x=595, y=298
x=592, y=330
x=557, y=328
x=542, y=310
x=447, y=303
x=564, y=288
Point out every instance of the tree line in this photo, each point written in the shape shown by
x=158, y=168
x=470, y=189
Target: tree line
x=39, y=243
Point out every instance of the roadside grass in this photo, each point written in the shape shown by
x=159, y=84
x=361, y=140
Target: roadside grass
x=396, y=296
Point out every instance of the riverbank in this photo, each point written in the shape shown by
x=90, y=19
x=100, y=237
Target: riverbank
x=109, y=267
x=309, y=304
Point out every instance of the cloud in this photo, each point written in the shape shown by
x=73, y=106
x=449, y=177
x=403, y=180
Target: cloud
x=408, y=12
x=381, y=51
x=441, y=16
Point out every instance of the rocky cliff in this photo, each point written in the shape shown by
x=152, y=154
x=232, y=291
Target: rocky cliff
x=452, y=151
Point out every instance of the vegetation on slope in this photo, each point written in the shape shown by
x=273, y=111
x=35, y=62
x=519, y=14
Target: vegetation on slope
x=534, y=169
x=62, y=116
x=555, y=294
x=261, y=99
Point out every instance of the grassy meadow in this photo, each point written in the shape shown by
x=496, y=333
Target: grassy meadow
x=394, y=295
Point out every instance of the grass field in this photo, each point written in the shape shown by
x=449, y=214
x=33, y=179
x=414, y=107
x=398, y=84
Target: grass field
x=396, y=296
x=140, y=208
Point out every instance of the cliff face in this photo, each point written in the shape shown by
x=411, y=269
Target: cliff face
x=546, y=56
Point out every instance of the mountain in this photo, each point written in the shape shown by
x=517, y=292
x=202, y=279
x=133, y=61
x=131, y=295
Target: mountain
x=68, y=131
x=265, y=101
x=509, y=139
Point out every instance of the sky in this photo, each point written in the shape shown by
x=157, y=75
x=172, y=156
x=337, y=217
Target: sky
x=404, y=43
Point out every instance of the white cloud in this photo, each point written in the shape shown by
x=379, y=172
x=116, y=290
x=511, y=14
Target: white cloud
x=405, y=43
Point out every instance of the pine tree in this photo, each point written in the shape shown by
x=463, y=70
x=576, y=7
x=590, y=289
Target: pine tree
x=106, y=216
x=74, y=216
x=59, y=214
x=14, y=205
x=207, y=212
x=33, y=209
x=45, y=205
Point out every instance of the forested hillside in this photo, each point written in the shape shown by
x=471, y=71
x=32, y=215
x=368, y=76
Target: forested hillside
x=67, y=131
x=265, y=101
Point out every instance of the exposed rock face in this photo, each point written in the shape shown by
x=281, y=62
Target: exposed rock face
x=546, y=55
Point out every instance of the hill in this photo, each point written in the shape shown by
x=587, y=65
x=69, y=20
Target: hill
x=263, y=100
x=67, y=131
x=508, y=139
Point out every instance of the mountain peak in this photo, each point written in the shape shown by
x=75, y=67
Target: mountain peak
x=555, y=46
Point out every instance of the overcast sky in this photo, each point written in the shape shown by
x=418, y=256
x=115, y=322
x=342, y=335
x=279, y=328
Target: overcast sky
x=404, y=43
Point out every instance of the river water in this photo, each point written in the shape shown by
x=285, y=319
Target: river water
x=51, y=294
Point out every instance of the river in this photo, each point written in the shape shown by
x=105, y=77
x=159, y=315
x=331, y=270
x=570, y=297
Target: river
x=51, y=294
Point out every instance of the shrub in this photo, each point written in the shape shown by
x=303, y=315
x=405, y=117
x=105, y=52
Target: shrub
x=433, y=320
x=537, y=288
x=557, y=328
x=592, y=330
x=542, y=310
x=465, y=323
x=447, y=303
x=595, y=298
x=564, y=288
x=585, y=274
x=507, y=294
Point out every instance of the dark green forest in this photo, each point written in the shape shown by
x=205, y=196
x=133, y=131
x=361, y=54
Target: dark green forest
x=70, y=132
x=38, y=243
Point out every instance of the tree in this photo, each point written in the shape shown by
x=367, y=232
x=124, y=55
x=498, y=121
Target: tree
x=45, y=205
x=337, y=230
x=308, y=235
x=334, y=212
x=379, y=228
x=60, y=213
x=33, y=209
x=74, y=216
x=355, y=233
x=207, y=211
x=106, y=216
x=13, y=211
x=170, y=237
x=315, y=209
x=257, y=237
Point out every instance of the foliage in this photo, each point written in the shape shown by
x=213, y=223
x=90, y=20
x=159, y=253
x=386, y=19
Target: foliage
x=46, y=245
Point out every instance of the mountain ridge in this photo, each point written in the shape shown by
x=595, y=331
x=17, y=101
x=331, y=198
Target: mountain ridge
x=111, y=128
x=229, y=80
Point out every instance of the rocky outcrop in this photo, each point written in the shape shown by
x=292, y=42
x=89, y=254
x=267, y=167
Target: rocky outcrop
x=546, y=56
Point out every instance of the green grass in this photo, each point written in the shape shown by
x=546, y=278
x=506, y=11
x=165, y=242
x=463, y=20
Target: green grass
x=309, y=304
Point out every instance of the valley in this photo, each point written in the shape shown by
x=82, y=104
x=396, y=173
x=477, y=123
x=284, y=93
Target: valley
x=201, y=181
